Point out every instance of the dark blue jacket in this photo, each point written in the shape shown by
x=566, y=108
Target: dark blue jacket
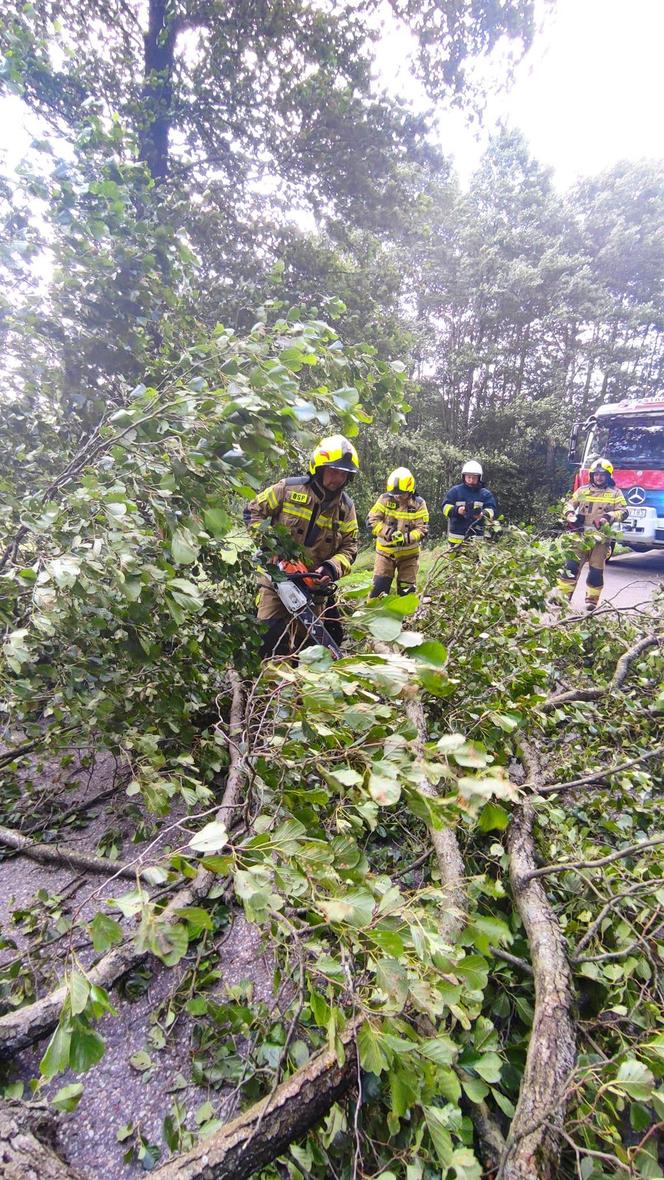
x=469, y=496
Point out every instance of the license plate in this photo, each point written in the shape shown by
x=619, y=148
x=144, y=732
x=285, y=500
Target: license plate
x=638, y=513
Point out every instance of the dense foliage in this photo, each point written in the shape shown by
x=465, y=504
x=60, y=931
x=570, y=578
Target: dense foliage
x=172, y=342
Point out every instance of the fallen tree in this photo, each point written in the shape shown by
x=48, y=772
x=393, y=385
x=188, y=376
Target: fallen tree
x=266, y=1129
x=400, y=884
x=53, y=854
x=534, y=1142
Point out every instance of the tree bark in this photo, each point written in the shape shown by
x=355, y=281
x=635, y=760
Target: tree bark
x=24, y=1155
x=159, y=42
x=490, y=1140
x=445, y=845
x=533, y=1143
x=52, y=854
x=265, y=1130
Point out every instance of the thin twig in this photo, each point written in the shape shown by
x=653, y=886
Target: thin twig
x=595, y=864
x=600, y=775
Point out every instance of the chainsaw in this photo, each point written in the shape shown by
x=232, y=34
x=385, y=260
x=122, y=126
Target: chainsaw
x=295, y=592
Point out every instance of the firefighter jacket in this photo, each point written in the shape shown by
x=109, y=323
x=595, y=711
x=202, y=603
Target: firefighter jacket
x=388, y=517
x=324, y=524
x=471, y=497
x=592, y=503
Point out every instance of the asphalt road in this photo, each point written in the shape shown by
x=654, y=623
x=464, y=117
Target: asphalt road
x=629, y=580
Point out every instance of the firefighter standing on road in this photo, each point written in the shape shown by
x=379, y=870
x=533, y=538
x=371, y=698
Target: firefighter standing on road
x=596, y=503
x=468, y=504
x=399, y=520
x=320, y=516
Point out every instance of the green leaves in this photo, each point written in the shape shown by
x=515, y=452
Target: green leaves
x=75, y=1044
x=430, y=652
x=385, y=628
x=473, y=791
x=16, y=649
x=383, y=785
x=345, y=397
x=355, y=908
x=441, y=1049
x=86, y=1048
x=184, y=546
x=372, y=1057
x=634, y=1080
x=56, y=1057
x=217, y=521
x=437, y=1121
x=392, y=981
x=79, y=991
x=68, y=1097
x=211, y=838
x=492, y=818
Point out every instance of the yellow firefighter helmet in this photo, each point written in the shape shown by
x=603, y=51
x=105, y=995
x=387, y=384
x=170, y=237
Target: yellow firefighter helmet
x=401, y=480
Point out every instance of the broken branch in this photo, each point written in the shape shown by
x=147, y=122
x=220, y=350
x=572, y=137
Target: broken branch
x=52, y=854
x=533, y=1143
x=630, y=850
x=265, y=1130
x=619, y=676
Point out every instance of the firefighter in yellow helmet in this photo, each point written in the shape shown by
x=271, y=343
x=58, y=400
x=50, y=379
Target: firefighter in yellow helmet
x=596, y=503
x=399, y=520
x=320, y=516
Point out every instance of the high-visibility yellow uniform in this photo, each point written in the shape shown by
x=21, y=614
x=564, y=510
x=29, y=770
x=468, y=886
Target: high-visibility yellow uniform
x=597, y=505
x=325, y=525
x=409, y=517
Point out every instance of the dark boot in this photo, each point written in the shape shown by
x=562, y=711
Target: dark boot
x=381, y=585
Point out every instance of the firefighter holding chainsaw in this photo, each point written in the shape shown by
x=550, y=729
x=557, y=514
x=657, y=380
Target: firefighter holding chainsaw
x=468, y=504
x=399, y=520
x=597, y=503
x=320, y=517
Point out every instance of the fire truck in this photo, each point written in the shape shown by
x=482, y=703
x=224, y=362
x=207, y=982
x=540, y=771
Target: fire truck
x=631, y=435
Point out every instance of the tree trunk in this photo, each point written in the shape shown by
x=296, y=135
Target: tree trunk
x=453, y=904
x=159, y=51
x=550, y=461
x=52, y=854
x=523, y=352
x=533, y=1144
x=265, y=1130
x=24, y=1155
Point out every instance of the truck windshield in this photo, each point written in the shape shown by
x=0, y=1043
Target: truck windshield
x=627, y=443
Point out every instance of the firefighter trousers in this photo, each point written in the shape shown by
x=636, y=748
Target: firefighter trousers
x=596, y=559
x=385, y=568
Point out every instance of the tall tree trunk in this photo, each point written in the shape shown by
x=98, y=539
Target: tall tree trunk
x=523, y=351
x=550, y=462
x=159, y=51
x=591, y=366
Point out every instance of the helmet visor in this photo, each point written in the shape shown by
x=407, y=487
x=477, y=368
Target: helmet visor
x=345, y=463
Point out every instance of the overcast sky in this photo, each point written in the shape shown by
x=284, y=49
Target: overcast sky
x=589, y=93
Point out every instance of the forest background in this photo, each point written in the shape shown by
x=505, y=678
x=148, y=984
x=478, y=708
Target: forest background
x=172, y=339
x=513, y=308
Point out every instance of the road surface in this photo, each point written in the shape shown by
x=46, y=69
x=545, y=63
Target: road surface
x=629, y=580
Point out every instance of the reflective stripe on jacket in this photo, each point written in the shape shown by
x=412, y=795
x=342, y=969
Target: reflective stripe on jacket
x=388, y=516
x=325, y=526
x=592, y=503
x=461, y=493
